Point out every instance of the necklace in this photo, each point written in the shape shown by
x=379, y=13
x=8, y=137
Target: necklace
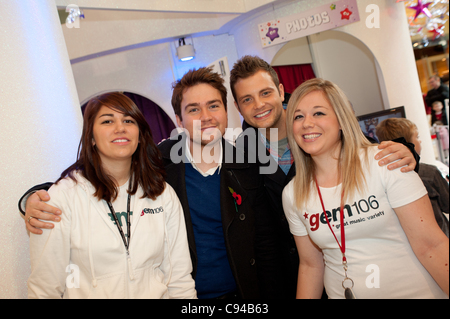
x=348, y=292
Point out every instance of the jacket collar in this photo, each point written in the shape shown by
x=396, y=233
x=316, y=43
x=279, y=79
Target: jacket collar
x=252, y=143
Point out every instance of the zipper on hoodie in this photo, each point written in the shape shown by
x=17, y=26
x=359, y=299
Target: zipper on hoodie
x=130, y=269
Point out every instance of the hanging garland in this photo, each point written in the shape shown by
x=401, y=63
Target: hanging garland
x=427, y=19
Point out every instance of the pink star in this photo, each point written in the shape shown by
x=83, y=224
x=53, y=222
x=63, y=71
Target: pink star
x=421, y=8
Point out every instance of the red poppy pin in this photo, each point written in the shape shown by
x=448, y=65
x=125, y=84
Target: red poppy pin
x=237, y=197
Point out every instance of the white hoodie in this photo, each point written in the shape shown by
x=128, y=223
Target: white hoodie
x=84, y=256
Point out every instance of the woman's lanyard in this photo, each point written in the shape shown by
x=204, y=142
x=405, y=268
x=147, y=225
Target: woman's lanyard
x=127, y=240
x=347, y=290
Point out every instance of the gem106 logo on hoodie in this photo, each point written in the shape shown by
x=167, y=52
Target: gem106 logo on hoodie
x=152, y=210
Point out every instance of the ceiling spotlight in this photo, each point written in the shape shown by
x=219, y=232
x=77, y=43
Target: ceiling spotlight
x=185, y=52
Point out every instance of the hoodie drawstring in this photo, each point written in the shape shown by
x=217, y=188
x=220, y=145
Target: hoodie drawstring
x=166, y=238
x=91, y=263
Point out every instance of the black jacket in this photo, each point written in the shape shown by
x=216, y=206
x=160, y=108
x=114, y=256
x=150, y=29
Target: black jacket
x=274, y=181
x=437, y=188
x=439, y=94
x=249, y=236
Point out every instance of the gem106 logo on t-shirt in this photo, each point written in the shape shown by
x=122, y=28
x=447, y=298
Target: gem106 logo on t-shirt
x=357, y=208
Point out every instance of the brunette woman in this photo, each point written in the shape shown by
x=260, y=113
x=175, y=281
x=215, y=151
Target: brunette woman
x=122, y=232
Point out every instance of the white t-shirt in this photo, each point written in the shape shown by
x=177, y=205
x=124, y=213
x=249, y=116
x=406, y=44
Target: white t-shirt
x=380, y=259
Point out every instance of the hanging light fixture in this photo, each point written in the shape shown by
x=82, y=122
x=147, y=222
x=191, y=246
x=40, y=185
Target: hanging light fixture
x=75, y=14
x=185, y=52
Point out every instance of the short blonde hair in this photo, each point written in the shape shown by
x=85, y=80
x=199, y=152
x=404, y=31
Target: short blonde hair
x=393, y=128
x=352, y=138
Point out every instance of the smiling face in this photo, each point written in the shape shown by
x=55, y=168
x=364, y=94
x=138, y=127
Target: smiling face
x=203, y=114
x=115, y=135
x=315, y=126
x=259, y=101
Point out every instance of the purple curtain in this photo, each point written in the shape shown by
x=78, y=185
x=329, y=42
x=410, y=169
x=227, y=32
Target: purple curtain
x=160, y=123
x=291, y=76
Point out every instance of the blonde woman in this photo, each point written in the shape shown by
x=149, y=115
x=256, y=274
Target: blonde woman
x=361, y=231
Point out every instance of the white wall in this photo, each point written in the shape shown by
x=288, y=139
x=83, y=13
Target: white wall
x=293, y=52
x=148, y=71
x=341, y=58
x=106, y=30
x=345, y=60
x=41, y=123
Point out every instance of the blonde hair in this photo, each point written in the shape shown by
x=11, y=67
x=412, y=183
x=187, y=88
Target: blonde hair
x=393, y=128
x=352, y=138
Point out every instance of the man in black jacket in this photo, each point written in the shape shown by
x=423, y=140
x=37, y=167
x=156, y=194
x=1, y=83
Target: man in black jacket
x=219, y=193
x=227, y=214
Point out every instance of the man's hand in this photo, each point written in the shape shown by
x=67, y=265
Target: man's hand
x=36, y=208
x=396, y=151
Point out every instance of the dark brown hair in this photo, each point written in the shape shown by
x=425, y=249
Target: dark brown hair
x=192, y=78
x=147, y=169
x=248, y=66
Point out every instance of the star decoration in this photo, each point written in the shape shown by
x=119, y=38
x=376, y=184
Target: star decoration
x=272, y=34
x=305, y=215
x=346, y=14
x=412, y=25
x=421, y=8
x=437, y=31
x=333, y=7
